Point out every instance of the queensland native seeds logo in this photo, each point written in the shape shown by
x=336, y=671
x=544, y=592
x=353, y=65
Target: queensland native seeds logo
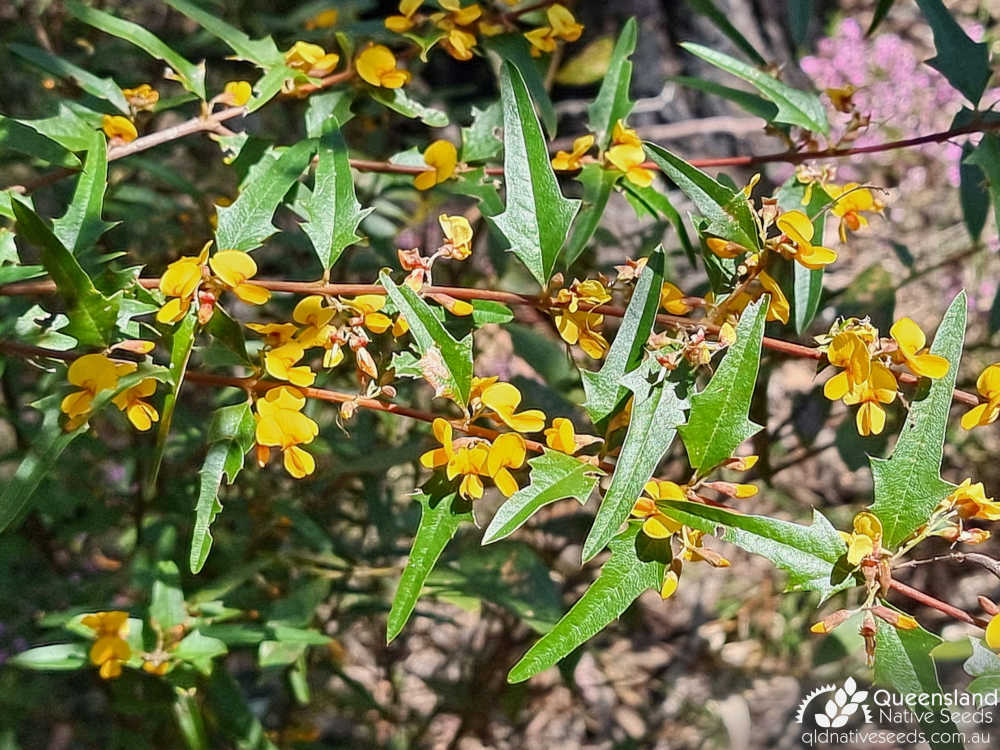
x=842, y=703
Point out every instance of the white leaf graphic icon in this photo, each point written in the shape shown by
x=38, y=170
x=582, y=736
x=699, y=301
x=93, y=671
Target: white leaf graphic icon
x=831, y=709
x=840, y=697
x=860, y=696
x=850, y=685
x=848, y=710
x=822, y=721
x=838, y=722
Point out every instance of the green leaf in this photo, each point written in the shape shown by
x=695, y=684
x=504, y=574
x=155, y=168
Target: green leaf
x=708, y=9
x=102, y=88
x=908, y=486
x=400, y=101
x=965, y=63
x=270, y=84
x=612, y=102
x=718, y=422
x=181, y=346
x=92, y=315
x=973, y=189
x=79, y=228
x=263, y=52
x=190, y=76
x=15, y=136
x=986, y=156
x=50, y=442
x=486, y=311
x=622, y=579
x=554, y=476
x=755, y=105
x=199, y=650
x=656, y=413
x=325, y=106
x=230, y=436
x=515, y=50
x=246, y=224
x=228, y=333
x=332, y=212
x=443, y=511
x=235, y=720
x=807, y=285
x=604, y=389
x=597, y=183
x=479, y=140
x=59, y=657
x=537, y=217
x=881, y=11
x=727, y=213
x=810, y=554
x=446, y=363
x=166, y=605
x=795, y=107
x=904, y=665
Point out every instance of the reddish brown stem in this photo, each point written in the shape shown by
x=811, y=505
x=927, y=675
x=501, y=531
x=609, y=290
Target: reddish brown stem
x=781, y=346
x=927, y=600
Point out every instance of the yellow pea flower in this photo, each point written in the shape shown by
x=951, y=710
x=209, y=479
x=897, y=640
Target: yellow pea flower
x=179, y=283
x=462, y=16
x=561, y=436
x=442, y=158
x=403, y=21
x=672, y=300
x=622, y=135
x=988, y=385
x=466, y=460
x=866, y=538
x=656, y=524
x=439, y=456
x=237, y=93
x=140, y=413
x=91, y=373
x=799, y=231
x=971, y=502
x=565, y=161
x=118, y=128
x=507, y=452
x=281, y=363
x=325, y=19
x=590, y=292
x=993, y=633
x=582, y=327
x=541, y=39
x=311, y=59
x=368, y=306
x=563, y=24
x=849, y=351
x=503, y=399
x=459, y=43
x=143, y=96
x=850, y=201
x=233, y=268
x=880, y=388
x=377, y=65
x=311, y=313
x=281, y=424
x=778, y=308
x=911, y=351
x=110, y=649
x=275, y=334
x=629, y=159
x=458, y=233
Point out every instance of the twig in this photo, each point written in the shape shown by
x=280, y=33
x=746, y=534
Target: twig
x=926, y=599
x=510, y=298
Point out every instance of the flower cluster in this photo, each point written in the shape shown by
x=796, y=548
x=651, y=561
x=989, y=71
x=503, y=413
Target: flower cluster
x=576, y=324
x=864, y=359
x=110, y=649
x=93, y=373
x=226, y=270
x=625, y=155
x=281, y=424
x=473, y=458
